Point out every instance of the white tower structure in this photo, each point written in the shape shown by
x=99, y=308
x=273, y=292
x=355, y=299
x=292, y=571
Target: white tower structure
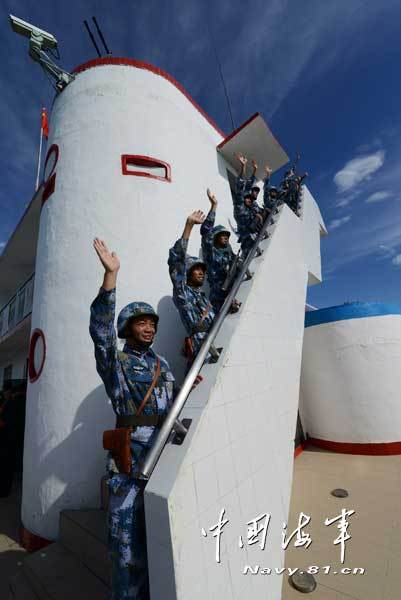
x=130, y=156
x=351, y=378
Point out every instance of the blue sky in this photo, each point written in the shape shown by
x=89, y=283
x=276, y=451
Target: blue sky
x=325, y=75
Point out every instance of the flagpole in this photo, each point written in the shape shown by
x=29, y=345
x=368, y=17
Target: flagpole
x=39, y=158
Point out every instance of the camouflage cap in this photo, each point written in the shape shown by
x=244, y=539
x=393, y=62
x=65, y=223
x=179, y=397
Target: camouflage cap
x=135, y=309
x=220, y=229
x=193, y=261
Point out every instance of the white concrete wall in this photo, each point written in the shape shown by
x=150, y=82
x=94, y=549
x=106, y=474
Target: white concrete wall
x=351, y=380
x=313, y=229
x=238, y=454
x=106, y=112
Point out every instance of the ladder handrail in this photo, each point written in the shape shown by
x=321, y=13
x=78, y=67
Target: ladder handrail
x=149, y=463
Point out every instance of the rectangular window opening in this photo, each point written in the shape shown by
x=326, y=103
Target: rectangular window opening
x=145, y=166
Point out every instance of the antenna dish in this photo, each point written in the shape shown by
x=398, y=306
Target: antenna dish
x=39, y=42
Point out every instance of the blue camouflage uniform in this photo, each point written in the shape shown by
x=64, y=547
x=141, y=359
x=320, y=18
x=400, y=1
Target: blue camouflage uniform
x=191, y=302
x=218, y=260
x=292, y=187
x=127, y=375
x=247, y=222
x=268, y=202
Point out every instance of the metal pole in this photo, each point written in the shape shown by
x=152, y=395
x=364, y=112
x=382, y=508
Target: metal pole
x=152, y=456
x=221, y=75
x=39, y=158
x=92, y=39
x=101, y=35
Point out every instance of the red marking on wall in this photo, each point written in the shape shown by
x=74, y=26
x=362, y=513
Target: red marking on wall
x=49, y=184
x=128, y=160
x=49, y=188
x=34, y=373
x=375, y=449
x=129, y=62
x=300, y=448
x=32, y=542
x=233, y=133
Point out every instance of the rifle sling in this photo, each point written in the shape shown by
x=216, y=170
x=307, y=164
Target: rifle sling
x=138, y=419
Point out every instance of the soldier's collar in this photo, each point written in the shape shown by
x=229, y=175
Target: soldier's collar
x=136, y=351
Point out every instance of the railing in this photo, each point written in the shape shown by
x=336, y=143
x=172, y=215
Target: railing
x=18, y=307
x=149, y=463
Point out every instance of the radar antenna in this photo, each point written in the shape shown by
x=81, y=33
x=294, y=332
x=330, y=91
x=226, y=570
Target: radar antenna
x=41, y=45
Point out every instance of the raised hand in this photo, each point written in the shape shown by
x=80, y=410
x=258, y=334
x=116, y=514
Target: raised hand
x=268, y=171
x=212, y=198
x=196, y=218
x=241, y=159
x=109, y=260
x=254, y=165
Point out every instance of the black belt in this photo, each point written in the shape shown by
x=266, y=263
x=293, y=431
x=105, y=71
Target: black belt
x=140, y=421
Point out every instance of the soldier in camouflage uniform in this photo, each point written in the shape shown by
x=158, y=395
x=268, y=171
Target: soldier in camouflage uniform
x=291, y=186
x=127, y=376
x=187, y=274
x=218, y=256
x=247, y=212
x=270, y=192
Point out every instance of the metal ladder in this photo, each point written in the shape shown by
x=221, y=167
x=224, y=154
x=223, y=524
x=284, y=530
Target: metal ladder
x=171, y=422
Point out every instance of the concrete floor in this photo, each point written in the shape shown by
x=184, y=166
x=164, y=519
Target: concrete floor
x=11, y=553
x=374, y=487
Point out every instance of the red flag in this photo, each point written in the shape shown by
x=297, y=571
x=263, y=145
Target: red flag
x=45, y=123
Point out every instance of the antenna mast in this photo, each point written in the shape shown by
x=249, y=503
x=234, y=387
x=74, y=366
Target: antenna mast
x=221, y=74
x=92, y=38
x=101, y=36
x=99, y=31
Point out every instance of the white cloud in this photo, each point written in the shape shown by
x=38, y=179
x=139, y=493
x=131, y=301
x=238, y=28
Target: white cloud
x=386, y=251
x=380, y=237
x=343, y=202
x=397, y=260
x=304, y=41
x=378, y=197
x=338, y=222
x=376, y=143
x=358, y=169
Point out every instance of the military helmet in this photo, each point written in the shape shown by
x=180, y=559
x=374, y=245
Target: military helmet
x=220, y=229
x=193, y=261
x=135, y=309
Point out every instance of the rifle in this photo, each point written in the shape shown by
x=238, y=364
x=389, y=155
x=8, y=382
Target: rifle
x=296, y=161
x=231, y=273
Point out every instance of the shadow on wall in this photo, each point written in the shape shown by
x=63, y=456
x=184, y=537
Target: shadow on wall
x=94, y=415
x=170, y=337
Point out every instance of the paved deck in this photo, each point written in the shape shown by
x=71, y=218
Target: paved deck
x=374, y=487
x=11, y=552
